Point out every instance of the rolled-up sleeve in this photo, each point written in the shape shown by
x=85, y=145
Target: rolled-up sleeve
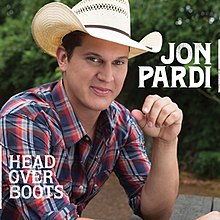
x=133, y=165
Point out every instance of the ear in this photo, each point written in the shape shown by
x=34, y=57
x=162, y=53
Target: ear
x=62, y=58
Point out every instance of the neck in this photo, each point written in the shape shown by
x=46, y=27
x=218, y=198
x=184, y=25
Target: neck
x=89, y=119
x=85, y=115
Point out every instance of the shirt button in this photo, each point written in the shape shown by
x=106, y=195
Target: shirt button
x=87, y=138
x=81, y=187
x=95, y=186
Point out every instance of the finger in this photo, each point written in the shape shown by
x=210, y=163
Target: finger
x=156, y=108
x=148, y=103
x=140, y=117
x=165, y=112
x=174, y=118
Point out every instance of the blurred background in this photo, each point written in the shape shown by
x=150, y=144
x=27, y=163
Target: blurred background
x=23, y=65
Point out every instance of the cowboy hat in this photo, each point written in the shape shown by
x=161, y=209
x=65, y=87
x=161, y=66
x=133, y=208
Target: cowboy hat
x=104, y=19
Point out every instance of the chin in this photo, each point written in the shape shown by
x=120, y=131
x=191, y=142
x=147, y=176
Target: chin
x=100, y=106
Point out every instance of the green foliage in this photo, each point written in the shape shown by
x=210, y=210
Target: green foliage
x=207, y=164
x=9, y=10
x=21, y=61
x=47, y=78
x=180, y=21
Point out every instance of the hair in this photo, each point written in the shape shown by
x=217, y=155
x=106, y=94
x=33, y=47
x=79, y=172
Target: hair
x=72, y=40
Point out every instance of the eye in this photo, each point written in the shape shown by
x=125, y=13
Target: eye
x=95, y=60
x=118, y=62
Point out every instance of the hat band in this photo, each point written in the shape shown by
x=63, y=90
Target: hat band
x=108, y=28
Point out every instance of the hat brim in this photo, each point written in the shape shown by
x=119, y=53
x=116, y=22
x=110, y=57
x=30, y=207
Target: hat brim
x=53, y=21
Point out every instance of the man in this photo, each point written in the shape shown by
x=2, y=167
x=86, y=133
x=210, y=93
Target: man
x=81, y=134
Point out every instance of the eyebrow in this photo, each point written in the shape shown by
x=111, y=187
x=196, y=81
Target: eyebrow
x=98, y=55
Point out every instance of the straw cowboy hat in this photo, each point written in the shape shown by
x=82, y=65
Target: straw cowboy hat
x=104, y=19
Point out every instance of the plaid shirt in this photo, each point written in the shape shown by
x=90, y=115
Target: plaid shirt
x=41, y=121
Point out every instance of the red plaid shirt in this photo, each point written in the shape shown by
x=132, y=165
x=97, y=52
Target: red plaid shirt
x=41, y=121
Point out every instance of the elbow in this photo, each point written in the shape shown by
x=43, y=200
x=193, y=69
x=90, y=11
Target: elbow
x=158, y=215
x=157, y=212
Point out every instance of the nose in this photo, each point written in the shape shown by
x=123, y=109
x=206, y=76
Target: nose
x=106, y=73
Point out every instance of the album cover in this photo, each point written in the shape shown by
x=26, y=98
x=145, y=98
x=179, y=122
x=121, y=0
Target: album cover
x=174, y=54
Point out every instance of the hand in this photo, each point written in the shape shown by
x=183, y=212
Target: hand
x=215, y=215
x=159, y=118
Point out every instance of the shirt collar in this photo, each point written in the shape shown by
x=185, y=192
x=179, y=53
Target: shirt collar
x=71, y=127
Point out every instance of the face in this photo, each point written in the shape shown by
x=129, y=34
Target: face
x=95, y=74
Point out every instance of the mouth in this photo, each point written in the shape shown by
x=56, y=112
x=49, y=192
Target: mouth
x=101, y=91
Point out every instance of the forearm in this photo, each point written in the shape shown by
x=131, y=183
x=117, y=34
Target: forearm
x=160, y=191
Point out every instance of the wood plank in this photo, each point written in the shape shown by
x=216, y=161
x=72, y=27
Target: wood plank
x=191, y=207
x=216, y=204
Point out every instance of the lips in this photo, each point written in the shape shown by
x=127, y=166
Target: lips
x=100, y=91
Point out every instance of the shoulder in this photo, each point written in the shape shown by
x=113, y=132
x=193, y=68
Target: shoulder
x=29, y=103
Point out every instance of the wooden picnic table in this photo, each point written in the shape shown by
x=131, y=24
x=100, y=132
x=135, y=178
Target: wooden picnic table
x=190, y=207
